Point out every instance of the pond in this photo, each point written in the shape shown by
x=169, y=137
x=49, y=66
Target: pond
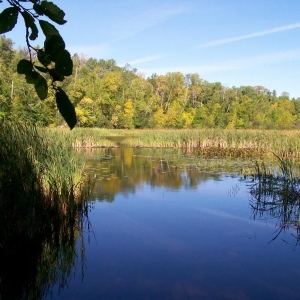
x=166, y=225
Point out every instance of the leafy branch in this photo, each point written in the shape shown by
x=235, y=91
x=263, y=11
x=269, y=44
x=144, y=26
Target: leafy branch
x=52, y=60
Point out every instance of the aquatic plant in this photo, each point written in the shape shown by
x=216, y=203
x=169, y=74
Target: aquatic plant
x=276, y=194
x=43, y=211
x=209, y=142
x=41, y=179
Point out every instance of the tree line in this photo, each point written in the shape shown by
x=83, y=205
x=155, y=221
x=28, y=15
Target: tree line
x=106, y=95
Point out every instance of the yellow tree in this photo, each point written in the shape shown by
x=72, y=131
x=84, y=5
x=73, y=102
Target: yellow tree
x=159, y=118
x=283, y=114
x=108, y=91
x=85, y=112
x=128, y=115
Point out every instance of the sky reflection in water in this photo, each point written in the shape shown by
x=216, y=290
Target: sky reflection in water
x=180, y=242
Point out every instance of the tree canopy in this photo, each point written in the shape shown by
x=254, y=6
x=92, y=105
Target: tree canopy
x=43, y=67
x=101, y=94
x=106, y=95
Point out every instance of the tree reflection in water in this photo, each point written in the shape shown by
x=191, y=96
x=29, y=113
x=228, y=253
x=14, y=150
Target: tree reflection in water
x=31, y=266
x=123, y=170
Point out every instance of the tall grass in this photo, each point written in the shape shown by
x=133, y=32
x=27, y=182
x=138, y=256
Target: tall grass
x=42, y=210
x=242, y=143
x=91, y=138
x=41, y=180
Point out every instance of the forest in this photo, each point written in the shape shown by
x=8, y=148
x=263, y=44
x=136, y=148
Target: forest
x=108, y=96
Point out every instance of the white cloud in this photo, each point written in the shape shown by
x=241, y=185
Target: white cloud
x=130, y=26
x=143, y=20
x=101, y=50
x=145, y=59
x=231, y=65
x=249, y=36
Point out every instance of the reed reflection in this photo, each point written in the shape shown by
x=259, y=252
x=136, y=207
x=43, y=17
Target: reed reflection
x=276, y=195
x=31, y=265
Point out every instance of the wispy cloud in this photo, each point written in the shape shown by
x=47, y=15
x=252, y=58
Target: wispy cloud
x=146, y=59
x=254, y=62
x=130, y=25
x=232, y=65
x=143, y=20
x=249, y=36
x=101, y=50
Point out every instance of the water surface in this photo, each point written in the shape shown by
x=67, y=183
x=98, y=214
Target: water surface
x=168, y=226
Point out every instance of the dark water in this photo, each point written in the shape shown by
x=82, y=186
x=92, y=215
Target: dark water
x=165, y=228
x=169, y=226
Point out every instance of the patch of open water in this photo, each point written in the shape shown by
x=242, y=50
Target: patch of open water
x=162, y=230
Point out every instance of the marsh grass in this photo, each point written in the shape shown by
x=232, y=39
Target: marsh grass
x=41, y=180
x=92, y=138
x=209, y=142
x=43, y=211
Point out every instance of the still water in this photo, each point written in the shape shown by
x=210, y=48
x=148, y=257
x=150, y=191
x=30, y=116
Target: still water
x=165, y=225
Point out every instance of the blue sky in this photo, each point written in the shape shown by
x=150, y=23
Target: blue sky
x=235, y=42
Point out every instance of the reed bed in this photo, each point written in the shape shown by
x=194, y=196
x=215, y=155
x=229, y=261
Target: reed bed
x=227, y=143
x=90, y=138
x=43, y=211
x=41, y=180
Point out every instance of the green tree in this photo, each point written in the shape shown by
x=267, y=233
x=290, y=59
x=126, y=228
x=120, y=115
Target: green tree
x=53, y=60
x=200, y=117
x=283, y=114
x=297, y=109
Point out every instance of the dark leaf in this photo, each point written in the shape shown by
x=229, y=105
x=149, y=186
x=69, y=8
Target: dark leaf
x=41, y=69
x=24, y=66
x=43, y=58
x=53, y=45
x=30, y=23
x=64, y=63
x=56, y=76
x=32, y=77
x=41, y=87
x=53, y=12
x=48, y=29
x=66, y=108
x=8, y=19
x=38, y=9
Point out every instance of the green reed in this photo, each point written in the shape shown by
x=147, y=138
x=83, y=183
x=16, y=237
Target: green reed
x=211, y=142
x=41, y=179
x=90, y=138
x=42, y=210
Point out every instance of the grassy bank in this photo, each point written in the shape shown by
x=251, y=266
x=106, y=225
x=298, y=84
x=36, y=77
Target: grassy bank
x=42, y=210
x=208, y=141
x=41, y=180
